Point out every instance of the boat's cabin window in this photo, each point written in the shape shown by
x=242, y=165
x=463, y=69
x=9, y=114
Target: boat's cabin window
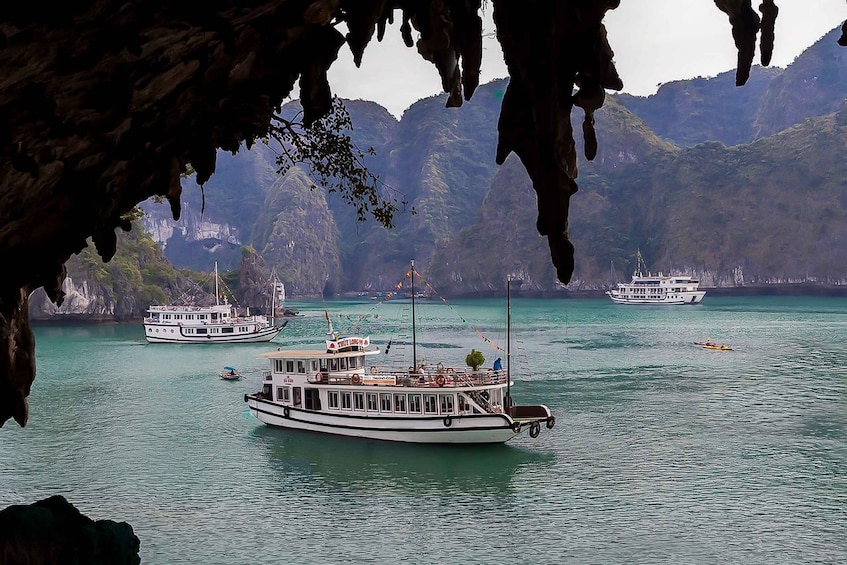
x=415, y=403
x=354, y=362
x=202, y=331
x=399, y=402
x=283, y=394
x=314, y=365
x=297, y=396
x=333, y=399
x=278, y=365
x=323, y=365
x=346, y=401
x=333, y=364
x=301, y=366
x=372, y=402
x=385, y=402
x=358, y=400
x=343, y=363
x=446, y=403
x=430, y=404
x=312, y=399
x=289, y=366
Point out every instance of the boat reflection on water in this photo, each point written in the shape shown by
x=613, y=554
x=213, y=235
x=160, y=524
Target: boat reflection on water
x=377, y=466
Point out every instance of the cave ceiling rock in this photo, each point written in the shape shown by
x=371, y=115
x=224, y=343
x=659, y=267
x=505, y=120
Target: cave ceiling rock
x=103, y=105
x=550, y=48
x=746, y=24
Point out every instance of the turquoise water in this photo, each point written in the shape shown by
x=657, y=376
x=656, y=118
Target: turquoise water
x=662, y=452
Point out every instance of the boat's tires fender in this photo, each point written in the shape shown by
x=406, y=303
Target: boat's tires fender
x=373, y=370
x=319, y=377
x=245, y=398
x=516, y=427
x=551, y=421
x=534, y=429
x=286, y=413
x=448, y=421
x=440, y=380
x=356, y=379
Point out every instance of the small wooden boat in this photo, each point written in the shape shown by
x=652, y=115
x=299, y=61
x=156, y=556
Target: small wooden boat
x=230, y=374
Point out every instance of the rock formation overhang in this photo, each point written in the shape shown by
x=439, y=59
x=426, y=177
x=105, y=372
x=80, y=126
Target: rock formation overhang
x=103, y=105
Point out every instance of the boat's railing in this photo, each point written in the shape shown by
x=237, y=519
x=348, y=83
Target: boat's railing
x=164, y=308
x=388, y=376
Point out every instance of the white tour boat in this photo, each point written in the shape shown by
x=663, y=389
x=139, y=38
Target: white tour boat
x=215, y=323
x=336, y=390
x=647, y=288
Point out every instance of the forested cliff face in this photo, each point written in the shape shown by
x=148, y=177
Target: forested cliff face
x=703, y=209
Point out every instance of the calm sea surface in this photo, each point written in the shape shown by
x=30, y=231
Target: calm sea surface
x=662, y=452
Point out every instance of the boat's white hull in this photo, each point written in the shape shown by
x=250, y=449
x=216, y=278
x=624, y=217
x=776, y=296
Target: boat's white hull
x=458, y=429
x=670, y=299
x=167, y=333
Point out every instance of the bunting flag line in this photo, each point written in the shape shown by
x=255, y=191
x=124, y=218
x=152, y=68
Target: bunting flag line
x=464, y=321
x=386, y=298
x=389, y=295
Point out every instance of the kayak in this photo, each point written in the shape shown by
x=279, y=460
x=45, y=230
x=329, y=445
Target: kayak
x=716, y=347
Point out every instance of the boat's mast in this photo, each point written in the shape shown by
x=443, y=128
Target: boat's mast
x=508, y=403
x=273, y=300
x=216, y=284
x=414, y=340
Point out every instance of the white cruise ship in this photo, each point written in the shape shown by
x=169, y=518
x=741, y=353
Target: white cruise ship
x=647, y=288
x=212, y=323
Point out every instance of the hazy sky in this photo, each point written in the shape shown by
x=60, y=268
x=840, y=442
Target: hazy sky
x=648, y=52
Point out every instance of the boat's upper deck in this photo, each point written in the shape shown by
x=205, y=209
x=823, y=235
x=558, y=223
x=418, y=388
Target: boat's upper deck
x=353, y=346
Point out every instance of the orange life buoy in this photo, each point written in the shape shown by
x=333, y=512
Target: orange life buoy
x=440, y=380
x=357, y=379
x=319, y=377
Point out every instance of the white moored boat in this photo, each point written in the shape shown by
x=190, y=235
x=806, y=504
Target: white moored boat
x=647, y=288
x=215, y=323
x=336, y=390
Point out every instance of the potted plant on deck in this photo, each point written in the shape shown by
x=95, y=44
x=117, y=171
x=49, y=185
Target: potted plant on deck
x=475, y=359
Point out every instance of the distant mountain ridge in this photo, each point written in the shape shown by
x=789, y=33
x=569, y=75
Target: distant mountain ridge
x=735, y=185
